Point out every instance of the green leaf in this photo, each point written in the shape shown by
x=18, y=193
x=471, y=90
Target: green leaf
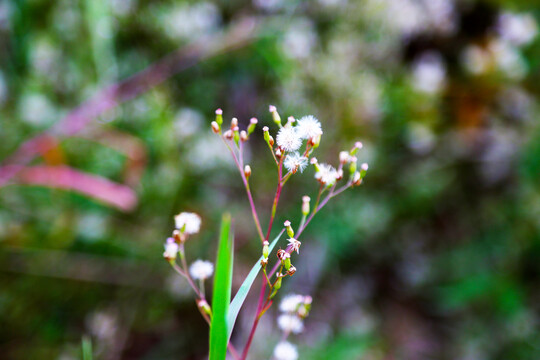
x=222, y=292
x=240, y=296
x=86, y=348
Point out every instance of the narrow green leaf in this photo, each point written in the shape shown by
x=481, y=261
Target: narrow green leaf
x=241, y=295
x=86, y=348
x=222, y=292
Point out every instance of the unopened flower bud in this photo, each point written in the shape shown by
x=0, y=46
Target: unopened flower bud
x=305, y=205
x=290, y=120
x=277, y=286
x=275, y=115
x=251, y=127
x=203, y=305
x=215, y=127
x=339, y=175
x=344, y=157
x=357, y=180
x=228, y=134
x=247, y=171
x=264, y=262
x=357, y=145
x=363, y=169
x=278, y=152
x=315, y=163
x=291, y=271
x=315, y=141
x=234, y=123
x=270, y=140
x=219, y=117
x=352, y=167
x=265, y=250
x=243, y=136
x=287, y=262
x=289, y=228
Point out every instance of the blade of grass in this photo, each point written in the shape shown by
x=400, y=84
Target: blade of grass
x=222, y=292
x=241, y=295
x=86, y=348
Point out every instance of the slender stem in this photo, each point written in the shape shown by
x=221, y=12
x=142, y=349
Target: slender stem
x=248, y=191
x=256, y=321
x=276, y=199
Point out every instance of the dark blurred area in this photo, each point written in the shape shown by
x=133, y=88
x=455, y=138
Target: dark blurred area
x=435, y=256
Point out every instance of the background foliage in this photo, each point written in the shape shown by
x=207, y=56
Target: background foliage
x=436, y=256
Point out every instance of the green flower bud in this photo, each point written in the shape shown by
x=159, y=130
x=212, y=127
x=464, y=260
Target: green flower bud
x=219, y=117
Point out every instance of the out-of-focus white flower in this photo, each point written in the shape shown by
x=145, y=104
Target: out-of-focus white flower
x=519, y=29
x=288, y=139
x=285, y=351
x=201, y=269
x=190, y=223
x=103, y=324
x=187, y=122
x=37, y=110
x=122, y=7
x=300, y=39
x=508, y=59
x=327, y=174
x=294, y=162
x=421, y=139
x=309, y=127
x=475, y=59
x=290, y=323
x=171, y=249
x=429, y=73
x=290, y=303
x=195, y=20
x=269, y=5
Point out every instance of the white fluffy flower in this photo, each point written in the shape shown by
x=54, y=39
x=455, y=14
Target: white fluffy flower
x=294, y=162
x=309, y=127
x=326, y=175
x=171, y=249
x=290, y=303
x=285, y=351
x=201, y=269
x=288, y=139
x=290, y=323
x=189, y=222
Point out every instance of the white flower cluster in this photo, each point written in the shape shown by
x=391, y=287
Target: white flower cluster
x=289, y=137
x=201, y=269
x=189, y=223
x=284, y=350
x=294, y=309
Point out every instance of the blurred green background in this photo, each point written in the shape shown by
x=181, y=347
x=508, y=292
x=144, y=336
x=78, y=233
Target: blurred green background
x=435, y=256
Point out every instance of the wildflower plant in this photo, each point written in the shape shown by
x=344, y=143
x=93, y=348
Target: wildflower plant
x=291, y=151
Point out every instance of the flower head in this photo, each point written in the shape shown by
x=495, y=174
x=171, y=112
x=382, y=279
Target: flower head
x=171, y=249
x=201, y=269
x=295, y=245
x=294, y=162
x=288, y=138
x=326, y=175
x=290, y=303
x=290, y=323
x=309, y=127
x=285, y=351
x=187, y=222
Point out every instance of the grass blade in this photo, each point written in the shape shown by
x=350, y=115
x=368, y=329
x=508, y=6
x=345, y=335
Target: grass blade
x=240, y=296
x=222, y=292
x=86, y=348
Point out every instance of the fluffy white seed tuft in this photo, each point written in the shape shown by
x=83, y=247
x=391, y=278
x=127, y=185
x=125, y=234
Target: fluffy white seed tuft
x=288, y=139
x=201, y=269
x=294, y=162
x=309, y=127
x=285, y=351
x=190, y=223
